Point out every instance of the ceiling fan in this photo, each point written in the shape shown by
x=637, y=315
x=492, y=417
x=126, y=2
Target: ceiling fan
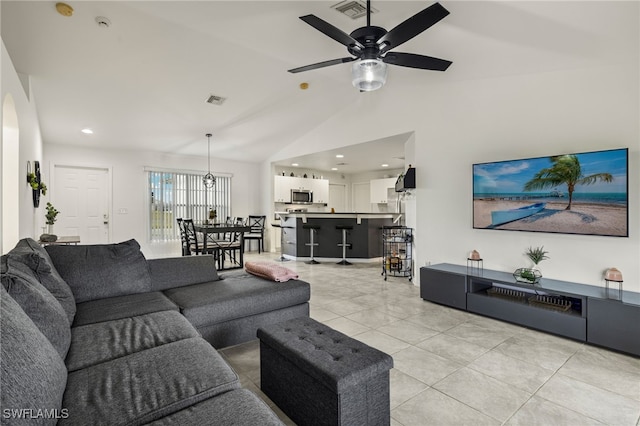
x=370, y=46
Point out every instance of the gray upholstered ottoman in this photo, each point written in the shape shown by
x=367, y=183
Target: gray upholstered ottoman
x=319, y=376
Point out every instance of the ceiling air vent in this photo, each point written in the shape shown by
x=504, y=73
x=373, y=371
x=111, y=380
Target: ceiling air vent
x=353, y=9
x=216, y=100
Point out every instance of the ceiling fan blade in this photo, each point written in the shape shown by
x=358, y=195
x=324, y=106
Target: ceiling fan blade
x=333, y=32
x=412, y=60
x=322, y=64
x=413, y=26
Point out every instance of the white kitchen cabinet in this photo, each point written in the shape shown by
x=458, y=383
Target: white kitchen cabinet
x=299, y=183
x=284, y=184
x=320, y=188
x=379, y=190
x=282, y=189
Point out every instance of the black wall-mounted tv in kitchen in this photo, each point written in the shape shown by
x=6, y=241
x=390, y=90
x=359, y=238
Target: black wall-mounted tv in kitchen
x=582, y=193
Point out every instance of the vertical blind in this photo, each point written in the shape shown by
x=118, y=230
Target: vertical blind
x=175, y=195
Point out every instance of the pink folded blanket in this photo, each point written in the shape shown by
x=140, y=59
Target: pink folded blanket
x=270, y=271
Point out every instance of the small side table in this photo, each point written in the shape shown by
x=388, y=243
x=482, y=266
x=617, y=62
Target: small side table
x=62, y=241
x=475, y=265
x=607, y=284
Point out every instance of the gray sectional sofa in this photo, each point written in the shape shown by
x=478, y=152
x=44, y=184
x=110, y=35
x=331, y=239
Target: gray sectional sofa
x=100, y=335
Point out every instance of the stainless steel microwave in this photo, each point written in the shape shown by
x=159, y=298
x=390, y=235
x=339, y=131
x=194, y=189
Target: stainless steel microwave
x=301, y=196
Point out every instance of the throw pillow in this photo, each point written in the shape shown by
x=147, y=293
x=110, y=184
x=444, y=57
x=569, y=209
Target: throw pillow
x=101, y=271
x=33, y=374
x=32, y=254
x=39, y=305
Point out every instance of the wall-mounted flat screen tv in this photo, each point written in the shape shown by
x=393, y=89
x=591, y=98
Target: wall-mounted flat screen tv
x=583, y=193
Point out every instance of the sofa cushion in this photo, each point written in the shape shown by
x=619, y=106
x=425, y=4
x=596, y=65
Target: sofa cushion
x=29, y=252
x=113, y=308
x=180, y=271
x=33, y=374
x=239, y=407
x=103, y=270
x=147, y=385
x=236, y=296
x=92, y=344
x=44, y=310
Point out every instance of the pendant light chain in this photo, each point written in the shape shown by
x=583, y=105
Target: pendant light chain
x=209, y=180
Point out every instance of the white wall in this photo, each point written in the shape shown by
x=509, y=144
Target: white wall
x=30, y=147
x=529, y=116
x=511, y=117
x=130, y=190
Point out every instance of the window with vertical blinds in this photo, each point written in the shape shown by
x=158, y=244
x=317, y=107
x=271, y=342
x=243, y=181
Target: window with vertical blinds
x=175, y=195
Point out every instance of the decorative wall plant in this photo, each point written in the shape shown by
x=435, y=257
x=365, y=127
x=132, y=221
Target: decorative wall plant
x=35, y=182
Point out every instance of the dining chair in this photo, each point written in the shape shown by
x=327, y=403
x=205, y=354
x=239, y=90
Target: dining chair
x=195, y=245
x=230, y=249
x=257, y=231
x=183, y=238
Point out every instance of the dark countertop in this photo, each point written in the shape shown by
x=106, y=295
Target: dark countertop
x=343, y=215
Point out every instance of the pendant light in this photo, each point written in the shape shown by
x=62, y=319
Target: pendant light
x=209, y=180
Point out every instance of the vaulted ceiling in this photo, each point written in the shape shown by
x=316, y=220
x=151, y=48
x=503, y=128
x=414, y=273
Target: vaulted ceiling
x=142, y=82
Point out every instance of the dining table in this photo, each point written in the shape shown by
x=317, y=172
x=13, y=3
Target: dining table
x=231, y=233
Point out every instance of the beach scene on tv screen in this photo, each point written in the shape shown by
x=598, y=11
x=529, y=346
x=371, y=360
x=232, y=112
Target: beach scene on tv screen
x=576, y=194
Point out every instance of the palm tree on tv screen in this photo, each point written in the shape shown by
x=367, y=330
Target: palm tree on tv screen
x=565, y=169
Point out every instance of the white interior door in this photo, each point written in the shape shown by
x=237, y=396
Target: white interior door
x=337, y=197
x=362, y=197
x=81, y=194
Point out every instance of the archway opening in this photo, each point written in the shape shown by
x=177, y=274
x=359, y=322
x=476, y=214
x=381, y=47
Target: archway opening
x=10, y=207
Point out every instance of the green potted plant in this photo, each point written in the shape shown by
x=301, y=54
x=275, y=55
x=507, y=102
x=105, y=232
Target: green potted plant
x=536, y=255
x=51, y=217
x=532, y=274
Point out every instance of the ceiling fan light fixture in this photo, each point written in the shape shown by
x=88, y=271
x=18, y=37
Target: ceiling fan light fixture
x=368, y=74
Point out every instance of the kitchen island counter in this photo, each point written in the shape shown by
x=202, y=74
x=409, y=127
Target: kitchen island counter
x=365, y=237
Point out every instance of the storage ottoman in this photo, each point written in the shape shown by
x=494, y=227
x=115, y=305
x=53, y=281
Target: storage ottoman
x=319, y=376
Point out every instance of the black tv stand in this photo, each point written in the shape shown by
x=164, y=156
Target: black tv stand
x=578, y=311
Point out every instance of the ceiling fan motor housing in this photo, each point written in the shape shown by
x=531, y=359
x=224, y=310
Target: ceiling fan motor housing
x=368, y=37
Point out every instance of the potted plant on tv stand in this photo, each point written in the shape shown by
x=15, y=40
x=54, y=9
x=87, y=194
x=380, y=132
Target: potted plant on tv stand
x=532, y=274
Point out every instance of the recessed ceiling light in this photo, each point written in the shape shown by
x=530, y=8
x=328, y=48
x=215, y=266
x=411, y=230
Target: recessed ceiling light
x=295, y=164
x=384, y=165
x=339, y=156
x=334, y=168
x=87, y=131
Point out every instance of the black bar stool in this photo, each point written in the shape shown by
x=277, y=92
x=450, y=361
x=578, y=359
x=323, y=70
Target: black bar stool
x=312, y=230
x=344, y=244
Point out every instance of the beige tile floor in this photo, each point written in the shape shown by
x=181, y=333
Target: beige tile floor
x=456, y=368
